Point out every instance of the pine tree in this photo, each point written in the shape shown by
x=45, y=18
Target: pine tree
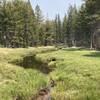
x=93, y=15
x=58, y=29
x=38, y=22
x=70, y=26
x=64, y=29
x=83, y=32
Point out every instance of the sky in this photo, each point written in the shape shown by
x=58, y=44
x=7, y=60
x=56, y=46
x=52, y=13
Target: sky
x=52, y=7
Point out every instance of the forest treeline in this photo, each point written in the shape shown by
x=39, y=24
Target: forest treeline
x=23, y=26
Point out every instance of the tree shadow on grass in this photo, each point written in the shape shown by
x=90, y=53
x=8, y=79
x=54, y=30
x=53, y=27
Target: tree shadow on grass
x=93, y=54
x=74, y=49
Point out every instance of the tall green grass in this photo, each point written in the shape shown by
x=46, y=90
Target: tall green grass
x=16, y=81
x=76, y=72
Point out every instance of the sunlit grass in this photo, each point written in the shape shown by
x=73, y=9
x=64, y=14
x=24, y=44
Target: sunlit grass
x=76, y=71
x=78, y=74
x=15, y=81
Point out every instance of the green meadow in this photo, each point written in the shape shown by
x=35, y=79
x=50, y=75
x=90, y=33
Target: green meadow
x=24, y=71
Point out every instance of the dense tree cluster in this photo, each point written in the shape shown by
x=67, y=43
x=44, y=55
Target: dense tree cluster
x=16, y=23
x=81, y=27
x=21, y=26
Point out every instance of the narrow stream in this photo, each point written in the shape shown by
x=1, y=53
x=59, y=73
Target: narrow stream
x=30, y=61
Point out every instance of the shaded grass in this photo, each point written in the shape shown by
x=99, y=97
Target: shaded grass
x=30, y=61
x=93, y=54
